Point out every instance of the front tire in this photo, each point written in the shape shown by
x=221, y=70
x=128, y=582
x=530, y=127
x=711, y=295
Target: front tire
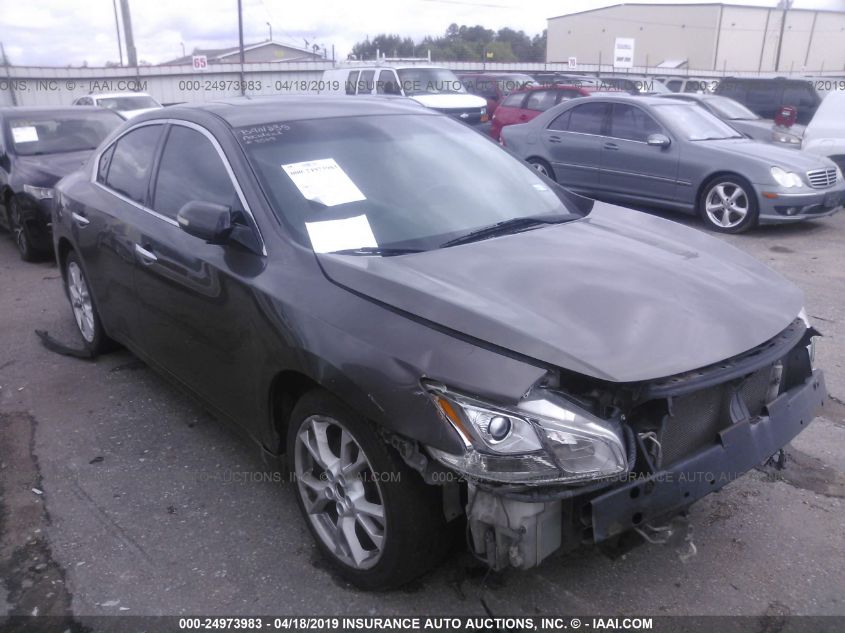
x=543, y=167
x=373, y=518
x=20, y=232
x=728, y=204
x=82, y=304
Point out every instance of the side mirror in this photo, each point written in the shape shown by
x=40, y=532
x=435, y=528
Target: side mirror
x=658, y=140
x=206, y=220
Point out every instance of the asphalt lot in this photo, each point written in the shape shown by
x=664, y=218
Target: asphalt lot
x=149, y=506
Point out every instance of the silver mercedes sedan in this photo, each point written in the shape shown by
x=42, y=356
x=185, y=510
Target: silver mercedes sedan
x=669, y=154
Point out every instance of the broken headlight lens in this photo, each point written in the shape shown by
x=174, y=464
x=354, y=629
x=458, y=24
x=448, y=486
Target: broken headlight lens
x=544, y=439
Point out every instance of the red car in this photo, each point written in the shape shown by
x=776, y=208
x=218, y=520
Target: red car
x=524, y=105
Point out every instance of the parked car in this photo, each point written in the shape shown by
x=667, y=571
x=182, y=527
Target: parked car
x=825, y=134
x=672, y=154
x=524, y=105
x=765, y=97
x=39, y=145
x=690, y=85
x=432, y=86
x=126, y=104
x=286, y=263
x=579, y=81
x=494, y=86
x=741, y=118
x=635, y=85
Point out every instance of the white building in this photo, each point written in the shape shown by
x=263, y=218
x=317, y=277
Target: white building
x=707, y=36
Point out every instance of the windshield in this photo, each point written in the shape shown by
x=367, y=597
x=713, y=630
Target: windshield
x=53, y=134
x=125, y=104
x=393, y=182
x=730, y=109
x=420, y=81
x=694, y=123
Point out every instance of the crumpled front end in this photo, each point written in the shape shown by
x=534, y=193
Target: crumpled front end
x=626, y=456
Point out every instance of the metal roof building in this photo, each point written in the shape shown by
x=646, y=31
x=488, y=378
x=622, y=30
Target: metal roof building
x=704, y=36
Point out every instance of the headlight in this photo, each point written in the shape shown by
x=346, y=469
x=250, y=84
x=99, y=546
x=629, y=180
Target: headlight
x=786, y=137
x=786, y=179
x=544, y=439
x=838, y=174
x=39, y=193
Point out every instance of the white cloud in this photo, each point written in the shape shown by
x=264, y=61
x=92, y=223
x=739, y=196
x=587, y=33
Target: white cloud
x=62, y=32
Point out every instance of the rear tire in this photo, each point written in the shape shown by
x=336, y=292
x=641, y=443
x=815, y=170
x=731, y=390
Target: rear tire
x=728, y=204
x=84, y=309
x=542, y=166
x=372, y=517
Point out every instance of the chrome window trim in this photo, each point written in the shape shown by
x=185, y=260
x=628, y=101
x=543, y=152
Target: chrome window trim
x=193, y=126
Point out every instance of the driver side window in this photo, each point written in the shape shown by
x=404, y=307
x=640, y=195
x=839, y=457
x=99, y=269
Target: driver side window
x=191, y=170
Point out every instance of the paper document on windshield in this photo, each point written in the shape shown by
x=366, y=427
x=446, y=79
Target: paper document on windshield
x=329, y=236
x=25, y=134
x=323, y=181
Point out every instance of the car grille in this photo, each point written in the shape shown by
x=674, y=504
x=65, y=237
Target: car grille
x=698, y=417
x=821, y=178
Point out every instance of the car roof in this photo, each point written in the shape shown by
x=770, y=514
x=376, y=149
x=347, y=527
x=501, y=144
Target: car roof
x=645, y=100
x=243, y=111
x=24, y=110
x=100, y=95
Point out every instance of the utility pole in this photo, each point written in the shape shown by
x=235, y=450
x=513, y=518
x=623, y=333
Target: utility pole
x=117, y=28
x=131, y=57
x=786, y=5
x=240, y=43
x=9, y=75
x=270, y=26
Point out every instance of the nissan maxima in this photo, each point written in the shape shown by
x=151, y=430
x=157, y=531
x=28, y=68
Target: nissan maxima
x=437, y=336
x=663, y=153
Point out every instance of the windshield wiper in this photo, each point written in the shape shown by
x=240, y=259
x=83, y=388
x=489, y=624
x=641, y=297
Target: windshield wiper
x=377, y=250
x=505, y=227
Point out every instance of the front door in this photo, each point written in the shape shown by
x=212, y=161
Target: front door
x=630, y=167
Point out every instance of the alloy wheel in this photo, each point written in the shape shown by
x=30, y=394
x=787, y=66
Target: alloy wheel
x=18, y=231
x=541, y=168
x=727, y=204
x=340, y=492
x=80, y=301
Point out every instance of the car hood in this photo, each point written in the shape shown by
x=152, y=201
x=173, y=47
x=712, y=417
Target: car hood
x=619, y=295
x=48, y=169
x=773, y=154
x=448, y=101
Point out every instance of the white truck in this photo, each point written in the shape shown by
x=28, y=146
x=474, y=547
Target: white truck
x=825, y=133
x=431, y=86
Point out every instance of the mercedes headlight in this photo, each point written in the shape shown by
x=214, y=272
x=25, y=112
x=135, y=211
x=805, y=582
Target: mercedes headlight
x=838, y=174
x=786, y=179
x=544, y=439
x=811, y=348
x=39, y=193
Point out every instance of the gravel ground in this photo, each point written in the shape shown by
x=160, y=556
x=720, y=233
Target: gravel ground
x=121, y=496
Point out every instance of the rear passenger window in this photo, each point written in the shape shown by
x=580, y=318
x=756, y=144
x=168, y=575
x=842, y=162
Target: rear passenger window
x=541, y=100
x=587, y=118
x=387, y=84
x=674, y=85
x=129, y=171
x=365, y=83
x=514, y=100
x=351, y=81
x=191, y=170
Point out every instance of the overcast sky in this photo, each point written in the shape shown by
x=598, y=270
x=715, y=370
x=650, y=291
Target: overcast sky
x=62, y=32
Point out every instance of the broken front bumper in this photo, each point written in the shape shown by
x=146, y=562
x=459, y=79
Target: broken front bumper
x=740, y=448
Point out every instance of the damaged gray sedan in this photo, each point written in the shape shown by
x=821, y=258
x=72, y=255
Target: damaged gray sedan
x=437, y=336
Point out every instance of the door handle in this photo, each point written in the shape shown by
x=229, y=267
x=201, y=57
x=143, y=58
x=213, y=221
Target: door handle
x=554, y=139
x=80, y=220
x=611, y=146
x=146, y=257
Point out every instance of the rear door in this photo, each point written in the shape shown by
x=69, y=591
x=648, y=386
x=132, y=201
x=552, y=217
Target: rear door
x=629, y=166
x=764, y=97
x=573, y=142
x=194, y=303
x=509, y=112
x=107, y=230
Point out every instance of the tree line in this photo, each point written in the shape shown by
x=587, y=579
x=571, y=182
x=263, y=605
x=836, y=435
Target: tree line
x=459, y=43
